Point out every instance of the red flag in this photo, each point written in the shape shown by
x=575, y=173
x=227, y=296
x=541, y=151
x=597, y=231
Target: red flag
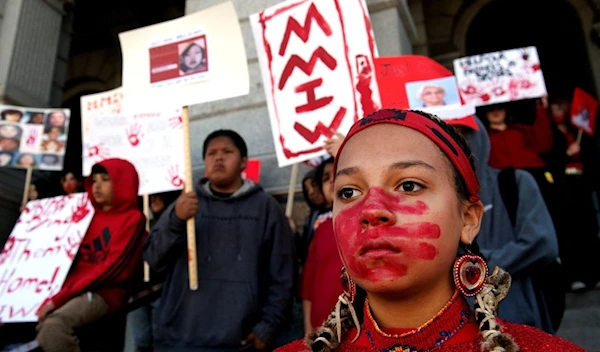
x=252, y=171
x=583, y=111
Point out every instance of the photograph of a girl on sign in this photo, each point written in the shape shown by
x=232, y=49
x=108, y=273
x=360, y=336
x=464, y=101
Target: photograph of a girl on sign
x=192, y=57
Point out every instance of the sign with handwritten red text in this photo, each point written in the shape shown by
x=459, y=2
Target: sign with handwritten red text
x=150, y=140
x=31, y=137
x=36, y=258
x=316, y=60
x=501, y=76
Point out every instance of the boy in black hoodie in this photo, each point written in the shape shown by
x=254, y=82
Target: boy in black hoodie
x=245, y=259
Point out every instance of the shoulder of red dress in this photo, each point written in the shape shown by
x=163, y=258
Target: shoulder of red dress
x=532, y=339
x=295, y=346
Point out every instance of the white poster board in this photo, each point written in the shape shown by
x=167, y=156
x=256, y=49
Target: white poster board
x=499, y=77
x=39, y=252
x=151, y=140
x=33, y=137
x=190, y=60
x=316, y=59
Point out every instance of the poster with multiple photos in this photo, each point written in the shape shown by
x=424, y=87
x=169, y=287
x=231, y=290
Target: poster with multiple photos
x=31, y=137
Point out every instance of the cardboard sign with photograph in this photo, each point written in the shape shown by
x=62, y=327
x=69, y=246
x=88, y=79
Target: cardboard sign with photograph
x=433, y=93
x=190, y=60
x=31, y=137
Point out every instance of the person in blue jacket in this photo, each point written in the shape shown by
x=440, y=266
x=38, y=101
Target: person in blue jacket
x=524, y=249
x=245, y=257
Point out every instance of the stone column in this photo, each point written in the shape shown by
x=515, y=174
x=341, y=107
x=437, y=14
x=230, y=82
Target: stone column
x=29, y=37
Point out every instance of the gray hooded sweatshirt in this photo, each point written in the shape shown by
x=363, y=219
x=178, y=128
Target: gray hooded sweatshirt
x=245, y=272
x=528, y=246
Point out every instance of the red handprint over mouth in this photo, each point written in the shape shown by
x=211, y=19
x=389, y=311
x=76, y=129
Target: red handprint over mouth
x=174, y=177
x=176, y=122
x=134, y=133
x=98, y=151
x=32, y=138
x=81, y=210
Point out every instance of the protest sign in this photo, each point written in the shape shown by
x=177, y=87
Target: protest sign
x=33, y=138
x=39, y=252
x=150, y=140
x=418, y=82
x=316, y=60
x=501, y=76
x=583, y=111
x=190, y=60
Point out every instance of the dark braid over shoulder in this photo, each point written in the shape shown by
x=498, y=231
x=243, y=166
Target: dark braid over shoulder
x=326, y=338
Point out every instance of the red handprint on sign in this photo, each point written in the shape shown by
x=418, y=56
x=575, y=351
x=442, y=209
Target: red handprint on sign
x=174, y=177
x=81, y=210
x=176, y=122
x=134, y=133
x=498, y=91
x=32, y=138
x=99, y=151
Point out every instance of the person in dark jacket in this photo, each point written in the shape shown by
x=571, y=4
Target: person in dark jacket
x=245, y=259
x=146, y=295
x=529, y=245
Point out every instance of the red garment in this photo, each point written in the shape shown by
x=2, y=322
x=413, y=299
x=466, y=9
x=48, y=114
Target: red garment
x=321, y=277
x=112, y=246
x=452, y=329
x=519, y=146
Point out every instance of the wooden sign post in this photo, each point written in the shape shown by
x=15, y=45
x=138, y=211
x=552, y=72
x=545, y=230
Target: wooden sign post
x=27, y=186
x=189, y=187
x=146, y=199
x=289, y=207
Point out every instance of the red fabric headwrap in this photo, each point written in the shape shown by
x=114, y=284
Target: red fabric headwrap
x=432, y=131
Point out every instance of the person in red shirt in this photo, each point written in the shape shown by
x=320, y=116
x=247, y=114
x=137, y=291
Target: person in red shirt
x=523, y=146
x=518, y=145
x=321, y=276
x=99, y=280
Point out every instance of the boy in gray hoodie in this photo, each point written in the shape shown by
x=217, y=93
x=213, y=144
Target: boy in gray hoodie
x=245, y=259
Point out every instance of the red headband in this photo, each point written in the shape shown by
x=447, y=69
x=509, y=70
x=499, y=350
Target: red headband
x=431, y=130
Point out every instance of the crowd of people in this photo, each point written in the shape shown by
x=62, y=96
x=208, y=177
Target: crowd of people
x=407, y=218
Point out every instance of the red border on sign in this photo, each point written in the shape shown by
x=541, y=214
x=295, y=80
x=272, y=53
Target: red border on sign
x=268, y=51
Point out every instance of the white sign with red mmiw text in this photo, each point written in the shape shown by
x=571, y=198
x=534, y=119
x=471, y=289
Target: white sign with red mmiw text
x=316, y=59
x=151, y=140
x=37, y=257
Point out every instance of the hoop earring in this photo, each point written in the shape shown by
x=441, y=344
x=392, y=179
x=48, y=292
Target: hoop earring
x=470, y=273
x=348, y=285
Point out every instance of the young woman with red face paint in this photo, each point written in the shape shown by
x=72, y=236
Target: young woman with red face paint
x=405, y=207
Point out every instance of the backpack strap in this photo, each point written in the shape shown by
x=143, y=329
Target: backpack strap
x=509, y=190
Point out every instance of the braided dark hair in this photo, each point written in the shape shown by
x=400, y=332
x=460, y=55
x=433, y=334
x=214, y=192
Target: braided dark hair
x=326, y=338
